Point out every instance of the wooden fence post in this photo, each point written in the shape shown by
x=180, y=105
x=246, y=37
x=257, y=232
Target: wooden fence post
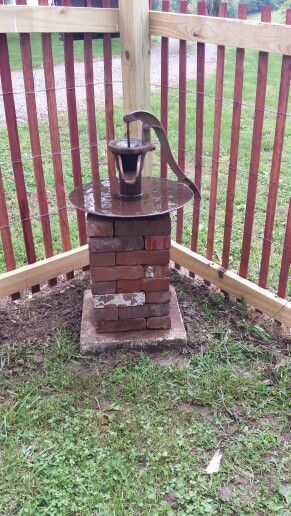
x=135, y=59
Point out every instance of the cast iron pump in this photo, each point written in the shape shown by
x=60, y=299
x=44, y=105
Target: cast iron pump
x=130, y=154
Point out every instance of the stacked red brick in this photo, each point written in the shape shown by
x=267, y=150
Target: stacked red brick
x=129, y=261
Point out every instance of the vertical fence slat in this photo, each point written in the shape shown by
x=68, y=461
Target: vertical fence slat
x=200, y=72
x=5, y=230
x=255, y=151
x=182, y=117
x=220, y=60
x=286, y=257
x=49, y=76
x=73, y=123
x=90, y=100
x=164, y=88
x=234, y=145
x=108, y=90
x=27, y=70
x=15, y=151
x=276, y=164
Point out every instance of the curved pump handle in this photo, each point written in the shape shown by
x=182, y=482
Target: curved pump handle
x=149, y=121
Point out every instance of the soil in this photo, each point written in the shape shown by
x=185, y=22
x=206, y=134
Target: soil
x=204, y=310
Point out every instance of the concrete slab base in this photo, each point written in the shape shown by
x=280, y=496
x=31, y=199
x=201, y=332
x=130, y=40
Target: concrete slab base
x=95, y=343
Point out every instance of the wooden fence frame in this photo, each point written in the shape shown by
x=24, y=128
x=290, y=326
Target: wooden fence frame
x=136, y=55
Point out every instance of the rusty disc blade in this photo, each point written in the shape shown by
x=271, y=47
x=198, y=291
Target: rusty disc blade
x=159, y=196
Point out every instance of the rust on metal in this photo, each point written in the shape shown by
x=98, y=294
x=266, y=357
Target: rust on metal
x=132, y=195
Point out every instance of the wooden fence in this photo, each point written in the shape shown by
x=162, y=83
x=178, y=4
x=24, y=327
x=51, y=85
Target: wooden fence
x=68, y=149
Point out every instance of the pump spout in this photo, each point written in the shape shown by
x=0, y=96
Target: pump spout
x=150, y=121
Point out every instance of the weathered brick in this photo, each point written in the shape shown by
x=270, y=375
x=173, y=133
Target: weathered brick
x=158, y=310
x=103, y=287
x=102, y=259
x=158, y=297
x=118, y=272
x=121, y=325
x=158, y=242
x=125, y=299
x=106, y=314
x=127, y=258
x=128, y=286
x=159, y=323
x=99, y=226
x=160, y=225
x=154, y=284
x=100, y=245
x=132, y=312
x=149, y=310
x=153, y=257
x=156, y=271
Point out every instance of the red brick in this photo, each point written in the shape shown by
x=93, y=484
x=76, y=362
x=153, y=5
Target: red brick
x=121, y=325
x=154, y=284
x=98, y=226
x=153, y=257
x=100, y=245
x=118, y=272
x=128, y=286
x=132, y=312
x=106, y=314
x=156, y=243
x=156, y=271
x=158, y=310
x=160, y=225
x=103, y=287
x=158, y=297
x=159, y=323
x=102, y=259
x=127, y=258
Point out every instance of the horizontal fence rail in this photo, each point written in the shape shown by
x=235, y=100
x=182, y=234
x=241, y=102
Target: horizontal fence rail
x=58, y=113
x=44, y=19
x=228, y=32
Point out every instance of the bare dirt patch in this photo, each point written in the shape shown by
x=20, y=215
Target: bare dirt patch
x=204, y=310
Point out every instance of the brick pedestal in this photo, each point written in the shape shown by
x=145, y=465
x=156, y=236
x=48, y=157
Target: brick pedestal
x=129, y=262
x=130, y=292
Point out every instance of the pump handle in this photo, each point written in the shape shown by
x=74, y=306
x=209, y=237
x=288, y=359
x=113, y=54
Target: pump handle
x=150, y=121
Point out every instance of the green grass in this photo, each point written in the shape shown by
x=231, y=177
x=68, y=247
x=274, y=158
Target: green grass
x=80, y=436
x=242, y=174
x=58, y=50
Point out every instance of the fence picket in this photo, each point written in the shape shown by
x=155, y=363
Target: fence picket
x=15, y=151
x=286, y=257
x=255, y=151
x=53, y=122
x=201, y=9
x=182, y=118
x=164, y=88
x=90, y=100
x=73, y=123
x=27, y=70
x=220, y=60
x=108, y=90
x=234, y=144
x=276, y=163
x=5, y=230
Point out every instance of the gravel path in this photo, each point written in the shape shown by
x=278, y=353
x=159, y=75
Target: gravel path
x=18, y=85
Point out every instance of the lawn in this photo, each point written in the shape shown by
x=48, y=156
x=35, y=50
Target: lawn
x=242, y=174
x=58, y=50
x=128, y=435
